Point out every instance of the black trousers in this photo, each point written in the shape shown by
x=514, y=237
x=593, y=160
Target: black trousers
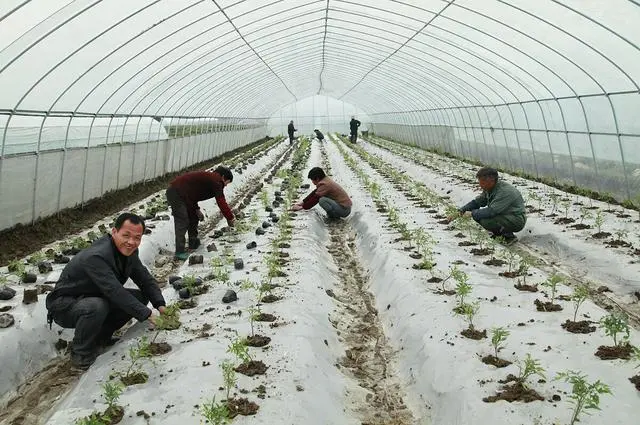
x=94, y=319
x=182, y=222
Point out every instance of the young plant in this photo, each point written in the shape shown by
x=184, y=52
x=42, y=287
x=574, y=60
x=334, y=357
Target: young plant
x=523, y=268
x=614, y=324
x=498, y=337
x=17, y=267
x=462, y=286
x=93, y=419
x=169, y=320
x=599, y=221
x=566, y=204
x=228, y=376
x=584, y=214
x=36, y=258
x=584, y=395
x=254, y=313
x=140, y=351
x=111, y=394
x=555, y=198
x=552, y=283
x=468, y=311
x=621, y=234
x=580, y=294
x=215, y=413
x=527, y=368
x=511, y=257
x=239, y=348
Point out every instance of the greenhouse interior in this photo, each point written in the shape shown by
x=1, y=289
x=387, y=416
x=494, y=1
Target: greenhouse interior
x=331, y=212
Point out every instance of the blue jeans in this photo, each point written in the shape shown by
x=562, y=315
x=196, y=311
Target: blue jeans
x=334, y=209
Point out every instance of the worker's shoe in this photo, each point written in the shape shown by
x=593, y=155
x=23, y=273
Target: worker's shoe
x=194, y=243
x=182, y=256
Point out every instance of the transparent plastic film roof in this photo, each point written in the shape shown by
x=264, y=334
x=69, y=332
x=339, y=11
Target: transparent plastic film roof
x=517, y=83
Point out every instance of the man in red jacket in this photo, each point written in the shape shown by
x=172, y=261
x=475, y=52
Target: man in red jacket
x=183, y=195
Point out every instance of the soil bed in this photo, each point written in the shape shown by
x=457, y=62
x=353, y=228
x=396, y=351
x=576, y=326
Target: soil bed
x=601, y=235
x=159, y=348
x=187, y=304
x=447, y=292
x=241, y=406
x=434, y=279
x=580, y=327
x=257, y=340
x=270, y=299
x=526, y=288
x=494, y=262
x=580, y=226
x=474, y=334
x=115, y=415
x=251, y=368
x=547, y=306
x=510, y=275
x=514, y=392
x=564, y=220
x=481, y=251
x=495, y=361
x=134, y=378
x=467, y=243
x=265, y=317
x=618, y=243
x=636, y=381
x=606, y=352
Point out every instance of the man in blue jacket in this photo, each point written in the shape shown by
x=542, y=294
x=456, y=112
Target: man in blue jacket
x=499, y=209
x=90, y=295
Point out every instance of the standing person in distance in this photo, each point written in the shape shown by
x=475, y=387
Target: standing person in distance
x=90, y=296
x=183, y=195
x=291, y=129
x=319, y=135
x=353, y=128
x=328, y=194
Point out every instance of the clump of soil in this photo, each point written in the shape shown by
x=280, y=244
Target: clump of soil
x=495, y=361
x=415, y=255
x=636, y=381
x=525, y=287
x=472, y=333
x=187, y=304
x=622, y=351
x=257, y=340
x=251, y=368
x=547, y=306
x=494, y=262
x=134, y=378
x=580, y=327
x=114, y=414
x=241, y=406
x=467, y=243
x=459, y=235
x=434, y=279
x=481, y=251
x=618, y=243
x=601, y=235
x=564, y=220
x=270, y=299
x=580, y=226
x=445, y=221
x=510, y=275
x=446, y=292
x=159, y=348
x=265, y=317
x=514, y=392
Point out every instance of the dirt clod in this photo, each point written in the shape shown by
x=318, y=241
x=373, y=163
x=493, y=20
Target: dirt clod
x=525, y=287
x=495, y=361
x=257, y=340
x=251, y=368
x=636, y=381
x=579, y=327
x=241, y=406
x=622, y=351
x=514, y=392
x=159, y=348
x=547, y=306
x=270, y=299
x=135, y=378
x=114, y=414
x=474, y=334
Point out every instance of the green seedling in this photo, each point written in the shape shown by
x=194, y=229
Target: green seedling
x=111, y=392
x=94, y=419
x=584, y=395
x=254, y=314
x=239, y=348
x=228, y=376
x=141, y=350
x=215, y=413
x=585, y=213
x=552, y=283
x=221, y=274
x=524, y=266
x=527, y=368
x=216, y=262
x=498, y=337
x=80, y=243
x=36, y=258
x=614, y=324
x=566, y=204
x=468, y=311
x=92, y=236
x=555, y=198
x=462, y=290
x=511, y=257
x=580, y=295
x=621, y=234
x=167, y=321
x=599, y=221
x=17, y=267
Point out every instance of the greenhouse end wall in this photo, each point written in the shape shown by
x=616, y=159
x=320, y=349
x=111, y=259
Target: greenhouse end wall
x=34, y=186
x=605, y=176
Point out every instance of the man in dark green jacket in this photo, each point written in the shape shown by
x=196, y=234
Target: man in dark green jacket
x=500, y=207
x=90, y=295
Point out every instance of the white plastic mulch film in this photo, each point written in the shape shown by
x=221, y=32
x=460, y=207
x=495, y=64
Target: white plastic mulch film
x=100, y=94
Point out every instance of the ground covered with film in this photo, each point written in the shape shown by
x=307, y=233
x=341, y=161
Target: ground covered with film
x=392, y=316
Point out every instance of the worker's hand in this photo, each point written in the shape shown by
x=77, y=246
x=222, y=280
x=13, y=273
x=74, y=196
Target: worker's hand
x=152, y=319
x=467, y=214
x=200, y=215
x=161, y=309
x=296, y=207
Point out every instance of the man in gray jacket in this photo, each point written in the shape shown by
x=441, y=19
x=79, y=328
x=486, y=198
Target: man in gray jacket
x=90, y=297
x=499, y=209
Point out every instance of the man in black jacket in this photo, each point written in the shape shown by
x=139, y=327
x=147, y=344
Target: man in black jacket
x=90, y=295
x=291, y=129
x=353, y=128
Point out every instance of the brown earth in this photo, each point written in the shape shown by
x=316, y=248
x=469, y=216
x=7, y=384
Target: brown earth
x=134, y=378
x=115, y=415
x=159, y=348
x=481, y=251
x=514, y=392
x=494, y=262
x=257, y=340
x=21, y=240
x=510, y=275
x=270, y=299
x=474, y=334
x=579, y=327
x=547, y=306
x=622, y=351
x=241, y=406
x=495, y=361
x=526, y=288
x=252, y=368
x=265, y=317
x=636, y=381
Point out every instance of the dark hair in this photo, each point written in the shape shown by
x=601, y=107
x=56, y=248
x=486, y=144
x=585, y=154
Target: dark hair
x=225, y=173
x=487, y=172
x=316, y=173
x=133, y=218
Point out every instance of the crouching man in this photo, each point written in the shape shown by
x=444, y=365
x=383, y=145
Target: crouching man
x=90, y=297
x=499, y=209
x=329, y=194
